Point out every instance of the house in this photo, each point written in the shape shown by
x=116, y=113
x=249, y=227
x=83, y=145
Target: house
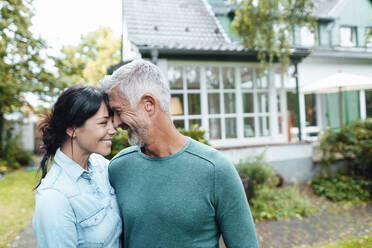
x=341, y=45
x=217, y=83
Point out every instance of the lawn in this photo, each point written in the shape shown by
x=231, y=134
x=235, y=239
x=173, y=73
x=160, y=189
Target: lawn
x=16, y=204
x=360, y=242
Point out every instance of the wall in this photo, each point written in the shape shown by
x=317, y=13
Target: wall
x=26, y=135
x=292, y=161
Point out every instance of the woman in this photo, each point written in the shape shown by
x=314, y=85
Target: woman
x=75, y=206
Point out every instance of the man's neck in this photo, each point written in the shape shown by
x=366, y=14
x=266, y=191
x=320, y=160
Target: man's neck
x=164, y=141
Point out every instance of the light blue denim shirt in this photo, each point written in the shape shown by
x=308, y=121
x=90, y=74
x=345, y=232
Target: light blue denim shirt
x=75, y=207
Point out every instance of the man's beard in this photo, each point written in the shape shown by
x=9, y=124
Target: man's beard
x=136, y=136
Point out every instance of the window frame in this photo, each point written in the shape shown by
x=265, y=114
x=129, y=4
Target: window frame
x=272, y=91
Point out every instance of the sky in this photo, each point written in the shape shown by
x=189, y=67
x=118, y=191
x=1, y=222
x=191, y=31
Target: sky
x=62, y=22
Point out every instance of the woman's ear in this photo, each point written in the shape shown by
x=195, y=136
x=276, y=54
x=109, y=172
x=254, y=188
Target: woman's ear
x=71, y=132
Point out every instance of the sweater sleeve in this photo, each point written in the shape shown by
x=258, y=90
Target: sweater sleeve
x=54, y=220
x=233, y=214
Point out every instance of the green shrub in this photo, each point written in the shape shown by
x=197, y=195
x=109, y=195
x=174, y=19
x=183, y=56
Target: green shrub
x=342, y=188
x=13, y=155
x=280, y=203
x=353, y=142
x=120, y=140
x=259, y=171
x=196, y=133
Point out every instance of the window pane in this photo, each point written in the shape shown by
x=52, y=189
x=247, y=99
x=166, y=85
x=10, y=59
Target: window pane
x=279, y=107
x=369, y=102
x=228, y=78
x=247, y=78
x=292, y=108
x=280, y=122
x=194, y=104
x=215, y=128
x=193, y=122
x=214, y=103
x=310, y=107
x=192, y=77
x=348, y=36
x=264, y=126
x=211, y=74
x=248, y=102
x=179, y=123
x=262, y=79
x=249, y=127
x=263, y=102
x=229, y=100
x=177, y=104
x=175, y=77
x=230, y=125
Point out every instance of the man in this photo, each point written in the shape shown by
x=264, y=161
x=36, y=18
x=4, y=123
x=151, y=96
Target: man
x=172, y=191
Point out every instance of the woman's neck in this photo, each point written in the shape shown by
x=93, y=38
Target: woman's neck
x=76, y=154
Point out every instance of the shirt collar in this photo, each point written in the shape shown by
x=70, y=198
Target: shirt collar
x=73, y=169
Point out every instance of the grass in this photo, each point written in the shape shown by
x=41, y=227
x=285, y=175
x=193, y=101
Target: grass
x=281, y=203
x=16, y=204
x=359, y=242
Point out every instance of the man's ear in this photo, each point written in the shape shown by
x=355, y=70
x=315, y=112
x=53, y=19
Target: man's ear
x=71, y=132
x=149, y=103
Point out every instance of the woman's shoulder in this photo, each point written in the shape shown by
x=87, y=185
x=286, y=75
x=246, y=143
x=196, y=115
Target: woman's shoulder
x=98, y=160
x=57, y=183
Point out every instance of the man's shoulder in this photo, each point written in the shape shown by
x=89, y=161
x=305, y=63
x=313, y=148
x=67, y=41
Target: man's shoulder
x=126, y=151
x=207, y=153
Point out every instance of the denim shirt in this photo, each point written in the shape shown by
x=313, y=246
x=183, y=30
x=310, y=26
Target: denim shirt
x=75, y=207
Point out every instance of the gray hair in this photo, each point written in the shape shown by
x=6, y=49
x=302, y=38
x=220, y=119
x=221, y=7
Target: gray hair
x=137, y=78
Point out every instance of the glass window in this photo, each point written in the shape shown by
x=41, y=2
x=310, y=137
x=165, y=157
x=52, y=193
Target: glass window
x=229, y=101
x=264, y=126
x=214, y=103
x=175, y=77
x=348, y=36
x=230, y=126
x=369, y=103
x=247, y=78
x=307, y=37
x=179, y=123
x=369, y=35
x=177, y=104
x=212, y=78
x=249, y=127
x=192, y=77
x=263, y=102
x=228, y=78
x=248, y=103
x=215, y=128
x=194, y=104
x=310, y=108
x=262, y=79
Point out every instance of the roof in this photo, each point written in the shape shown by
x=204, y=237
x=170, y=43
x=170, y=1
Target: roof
x=173, y=24
x=180, y=27
x=325, y=9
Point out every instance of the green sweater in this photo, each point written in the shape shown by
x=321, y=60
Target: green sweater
x=187, y=199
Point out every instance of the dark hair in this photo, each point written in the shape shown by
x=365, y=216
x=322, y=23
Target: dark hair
x=72, y=108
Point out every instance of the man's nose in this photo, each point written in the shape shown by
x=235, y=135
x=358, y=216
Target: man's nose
x=116, y=121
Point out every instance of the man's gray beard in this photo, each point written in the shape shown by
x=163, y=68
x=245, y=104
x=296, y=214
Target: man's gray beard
x=137, y=137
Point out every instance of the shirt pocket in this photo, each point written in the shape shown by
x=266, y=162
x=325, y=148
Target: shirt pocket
x=97, y=229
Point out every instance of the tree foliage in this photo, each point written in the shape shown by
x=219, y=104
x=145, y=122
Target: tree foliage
x=87, y=62
x=267, y=26
x=22, y=58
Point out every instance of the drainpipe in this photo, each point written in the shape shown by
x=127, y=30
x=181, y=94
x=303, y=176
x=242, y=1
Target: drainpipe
x=298, y=103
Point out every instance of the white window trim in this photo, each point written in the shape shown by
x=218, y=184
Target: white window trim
x=275, y=136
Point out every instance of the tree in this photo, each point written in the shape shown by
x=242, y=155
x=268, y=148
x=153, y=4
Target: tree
x=22, y=59
x=267, y=26
x=87, y=62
